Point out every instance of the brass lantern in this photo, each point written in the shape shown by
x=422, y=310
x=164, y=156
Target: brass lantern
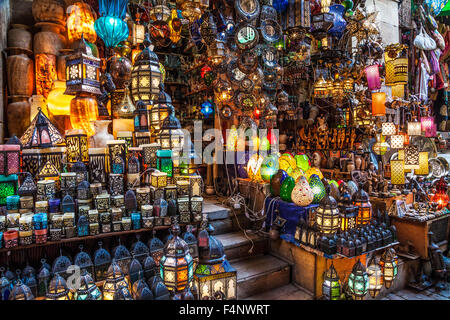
x=176, y=265
x=160, y=111
x=76, y=146
x=88, y=290
x=114, y=282
x=57, y=289
x=389, y=266
x=171, y=137
x=82, y=71
x=375, y=277
x=347, y=210
x=331, y=286
x=146, y=75
x=327, y=216
x=361, y=200
x=41, y=133
x=190, y=9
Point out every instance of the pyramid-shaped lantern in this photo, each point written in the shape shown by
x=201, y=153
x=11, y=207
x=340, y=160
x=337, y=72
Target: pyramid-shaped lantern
x=41, y=133
x=48, y=171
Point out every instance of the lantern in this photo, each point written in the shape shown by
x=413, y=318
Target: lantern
x=76, y=145
x=373, y=77
x=214, y=277
x=347, y=211
x=388, y=129
x=401, y=71
x=159, y=179
x=397, y=141
x=317, y=188
x=20, y=291
x=358, y=281
x=164, y=162
x=375, y=277
x=43, y=278
x=171, y=137
x=412, y=157
x=331, y=286
x=83, y=113
x=388, y=267
x=57, y=289
x=216, y=52
x=141, y=117
x=320, y=89
x=110, y=26
x=441, y=196
x=428, y=126
x=397, y=172
x=149, y=151
x=80, y=22
x=82, y=71
x=423, y=164
x=190, y=9
x=98, y=165
x=176, y=265
x=114, y=282
x=414, y=129
x=327, y=217
x=398, y=91
x=41, y=133
x=142, y=138
x=361, y=200
x=87, y=290
x=146, y=76
x=9, y=159
x=160, y=111
x=102, y=260
x=378, y=101
x=207, y=108
x=389, y=66
x=58, y=102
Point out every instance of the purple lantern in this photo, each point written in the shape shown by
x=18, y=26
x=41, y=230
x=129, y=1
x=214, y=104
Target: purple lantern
x=373, y=77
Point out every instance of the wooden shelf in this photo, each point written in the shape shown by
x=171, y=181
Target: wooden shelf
x=97, y=236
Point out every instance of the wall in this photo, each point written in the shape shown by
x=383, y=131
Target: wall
x=387, y=19
x=5, y=14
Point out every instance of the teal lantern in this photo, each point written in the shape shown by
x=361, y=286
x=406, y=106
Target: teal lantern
x=358, y=281
x=269, y=167
x=8, y=187
x=110, y=26
x=286, y=188
x=164, y=161
x=88, y=290
x=207, y=108
x=317, y=188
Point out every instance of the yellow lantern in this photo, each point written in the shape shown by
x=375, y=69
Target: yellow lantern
x=80, y=21
x=59, y=103
x=401, y=71
x=314, y=170
x=423, y=164
x=287, y=163
x=398, y=91
x=397, y=172
x=320, y=89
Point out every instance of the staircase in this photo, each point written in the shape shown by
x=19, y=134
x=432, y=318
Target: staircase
x=260, y=275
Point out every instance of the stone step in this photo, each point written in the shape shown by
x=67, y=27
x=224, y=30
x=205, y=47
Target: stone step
x=261, y=273
x=222, y=226
x=215, y=210
x=237, y=246
x=287, y=292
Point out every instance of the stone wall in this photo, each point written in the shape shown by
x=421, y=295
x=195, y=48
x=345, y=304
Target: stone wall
x=5, y=15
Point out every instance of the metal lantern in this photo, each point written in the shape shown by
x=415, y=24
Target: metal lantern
x=176, y=265
x=114, y=282
x=171, y=137
x=327, y=217
x=146, y=76
x=87, y=290
x=84, y=261
x=102, y=260
x=156, y=249
x=412, y=157
x=423, y=164
x=141, y=291
x=140, y=250
x=389, y=267
x=122, y=257
x=361, y=200
x=208, y=28
x=160, y=111
x=190, y=9
x=57, y=289
x=135, y=270
x=375, y=277
x=20, y=291
x=9, y=159
x=41, y=133
x=216, y=52
x=214, y=277
x=397, y=172
x=164, y=162
x=159, y=179
x=141, y=121
x=348, y=211
x=331, y=286
x=358, y=281
x=401, y=71
x=76, y=146
x=149, y=151
x=388, y=129
x=150, y=268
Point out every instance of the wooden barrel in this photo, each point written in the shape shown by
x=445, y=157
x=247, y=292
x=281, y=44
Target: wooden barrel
x=18, y=115
x=49, y=40
x=20, y=73
x=20, y=37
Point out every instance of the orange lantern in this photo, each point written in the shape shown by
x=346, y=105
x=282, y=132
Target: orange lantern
x=83, y=113
x=441, y=196
x=80, y=21
x=378, y=101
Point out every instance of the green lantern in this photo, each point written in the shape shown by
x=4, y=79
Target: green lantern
x=331, y=286
x=8, y=187
x=269, y=167
x=358, y=281
x=317, y=188
x=302, y=161
x=164, y=161
x=286, y=189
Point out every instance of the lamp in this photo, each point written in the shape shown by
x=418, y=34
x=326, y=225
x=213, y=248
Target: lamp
x=428, y=126
x=159, y=179
x=320, y=89
x=331, y=286
x=441, y=197
x=146, y=75
x=164, y=162
x=373, y=77
x=20, y=291
x=58, y=102
x=141, y=117
x=378, y=101
x=423, y=164
x=361, y=200
x=41, y=133
x=190, y=9
x=160, y=111
x=102, y=260
x=358, y=281
x=57, y=289
x=414, y=128
x=110, y=26
x=149, y=152
x=76, y=146
x=397, y=141
x=397, y=172
x=327, y=217
x=9, y=159
x=347, y=210
x=388, y=267
x=388, y=129
x=176, y=265
x=87, y=290
x=80, y=22
x=114, y=282
x=171, y=137
x=375, y=277
x=216, y=52
x=401, y=71
x=412, y=157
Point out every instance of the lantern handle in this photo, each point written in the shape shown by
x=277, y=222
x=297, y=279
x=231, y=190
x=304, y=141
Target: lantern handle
x=80, y=247
x=100, y=244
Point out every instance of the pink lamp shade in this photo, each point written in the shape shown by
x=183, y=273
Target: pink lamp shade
x=9, y=159
x=428, y=126
x=373, y=77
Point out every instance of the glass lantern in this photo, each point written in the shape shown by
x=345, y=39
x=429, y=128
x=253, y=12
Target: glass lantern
x=388, y=266
x=80, y=22
x=156, y=249
x=375, y=277
x=88, y=290
x=20, y=291
x=122, y=257
x=361, y=200
x=331, y=286
x=164, y=162
x=358, y=281
x=171, y=137
x=327, y=216
x=411, y=157
x=9, y=159
x=348, y=211
x=378, y=103
x=57, y=289
x=111, y=27
x=102, y=260
x=141, y=114
x=397, y=141
x=373, y=77
x=115, y=281
x=160, y=111
x=414, y=128
x=41, y=133
x=388, y=129
x=176, y=265
x=76, y=146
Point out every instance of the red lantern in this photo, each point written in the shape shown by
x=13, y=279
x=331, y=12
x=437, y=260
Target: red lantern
x=441, y=196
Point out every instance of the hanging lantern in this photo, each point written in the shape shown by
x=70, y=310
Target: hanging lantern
x=175, y=26
x=87, y=290
x=373, y=77
x=358, y=281
x=171, y=136
x=361, y=200
x=388, y=129
x=216, y=52
x=115, y=282
x=110, y=26
x=160, y=12
x=80, y=22
x=389, y=267
x=381, y=146
x=141, y=117
x=207, y=108
x=397, y=141
x=412, y=157
x=327, y=215
x=57, y=289
x=58, y=102
x=190, y=9
x=102, y=260
x=428, y=126
x=378, y=101
x=41, y=133
x=331, y=286
x=397, y=172
x=414, y=129
x=20, y=291
x=176, y=265
x=398, y=91
x=375, y=277
x=401, y=71
x=156, y=249
x=146, y=75
x=83, y=114
x=137, y=31
x=208, y=28
x=223, y=92
x=389, y=78
x=320, y=89
x=423, y=164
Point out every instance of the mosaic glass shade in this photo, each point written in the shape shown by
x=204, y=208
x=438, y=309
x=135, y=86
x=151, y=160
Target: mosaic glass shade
x=286, y=189
x=388, y=129
x=373, y=77
x=331, y=286
x=358, y=281
x=317, y=188
x=41, y=133
x=412, y=157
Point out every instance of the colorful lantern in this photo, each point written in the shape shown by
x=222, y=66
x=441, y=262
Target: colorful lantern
x=441, y=196
x=313, y=170
x=378, y=103
x=302, y=162
x=401, y=71
x=327, y=217
x=171, y=136
x=276, y=181
x=428, y=126
x=110, y=26
x=9, y=159
x=207, y=108
x=412, y=157
x=331, y=286
x=83, y=113
x=389, y=266
x=375, y=277
x=76, y=146
x=57, y=289
x=88, y=290
x=286, y=188
x=361, y=200
x=41, y=133
x=358, y=281
x=414, y=128
x=160, y=111
x=317, y=188
x=80, y=22
x=114, y=282
x=373, y=77
x=302, y=194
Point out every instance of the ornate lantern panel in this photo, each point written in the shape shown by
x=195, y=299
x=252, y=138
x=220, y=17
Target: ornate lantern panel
x=331, y=286
x=361, y=200
x=41, y=133
x=358, y=281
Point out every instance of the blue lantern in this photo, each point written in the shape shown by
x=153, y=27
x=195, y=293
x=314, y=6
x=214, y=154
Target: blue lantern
x=207, y=108
x=339, y=22
x=280, y=5
x=110, y=26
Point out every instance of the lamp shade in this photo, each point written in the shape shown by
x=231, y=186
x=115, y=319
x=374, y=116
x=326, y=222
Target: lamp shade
x=397, y=172
x=414, y=128
x=428, y=126
x=388, y=129
x=401, y=71
x=378, y=101
x=397, y=141
x=423, y=164
x=331, y=286
x=110, y=26
x=373, y=77
x=412, y=157
x=80, y=21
